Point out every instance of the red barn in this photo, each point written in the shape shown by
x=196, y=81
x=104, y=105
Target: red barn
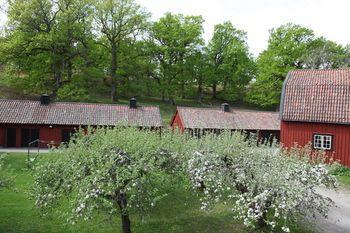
x=200, y=120
x=24, y=121
x=315, y=107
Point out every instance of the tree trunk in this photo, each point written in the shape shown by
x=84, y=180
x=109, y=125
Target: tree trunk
x=58, y=79
x=261, y=221
x=113, y=73
x=122, y=202
x=214, y=90
x=69, y=70
x=225, y=84
x=199, y=90
x=183, y=89
x=163, y=95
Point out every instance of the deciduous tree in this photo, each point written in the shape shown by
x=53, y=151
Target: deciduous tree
x=43, y=38
x=174, y=39
x=290, y=47
x=119, y=21
x=231, y=64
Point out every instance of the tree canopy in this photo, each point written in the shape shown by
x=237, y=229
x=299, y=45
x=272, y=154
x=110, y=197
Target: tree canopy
x=291, y=47
x=65, y=47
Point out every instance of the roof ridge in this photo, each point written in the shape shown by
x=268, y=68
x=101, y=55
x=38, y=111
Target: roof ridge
x=231, y=110
x=80, y=103
x=321, y=70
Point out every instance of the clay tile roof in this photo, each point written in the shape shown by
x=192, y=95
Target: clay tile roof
x=211, y=118
x=64, y=113
x=317, y=96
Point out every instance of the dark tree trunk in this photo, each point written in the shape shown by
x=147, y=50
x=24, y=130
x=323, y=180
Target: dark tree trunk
x=214, y=90
x=163, y=95
x=182, y=89
x=58, y=79
x=114, y=72
x=122, y=203
x=261, y=220
x=69, y=70
x=225, y=84
x=200, y=90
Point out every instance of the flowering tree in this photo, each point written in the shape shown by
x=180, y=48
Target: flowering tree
x=123, y=169
x=115, y=170
x=263, y=185
x=5, y=181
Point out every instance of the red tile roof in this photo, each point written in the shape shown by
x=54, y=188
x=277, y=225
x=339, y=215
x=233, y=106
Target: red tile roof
x=210, y=118
x=317, y=96
x=64, y=113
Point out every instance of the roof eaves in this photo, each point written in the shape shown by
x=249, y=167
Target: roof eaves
x=283, y=95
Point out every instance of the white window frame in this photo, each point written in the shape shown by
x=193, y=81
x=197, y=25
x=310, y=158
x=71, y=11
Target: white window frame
x=322, y=141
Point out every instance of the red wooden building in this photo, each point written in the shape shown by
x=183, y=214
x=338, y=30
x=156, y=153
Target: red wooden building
x=315, y=107
x=24, y=121
x=200, y=120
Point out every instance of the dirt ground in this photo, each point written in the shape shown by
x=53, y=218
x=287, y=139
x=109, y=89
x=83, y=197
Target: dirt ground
x=338, y=220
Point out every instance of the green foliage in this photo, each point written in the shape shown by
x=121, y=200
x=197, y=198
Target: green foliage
x=45, y=45
x=231, y=65
x=291, y=47
x=72, y=92
x=326, y=54
x=174, y=40
x=120, y=23
x=44, y=39
x=5, y=180
x=339, y=170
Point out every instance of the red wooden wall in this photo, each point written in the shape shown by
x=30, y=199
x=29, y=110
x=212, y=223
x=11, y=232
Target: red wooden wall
x=177, y=122
x=46, y=133
x=302, y=133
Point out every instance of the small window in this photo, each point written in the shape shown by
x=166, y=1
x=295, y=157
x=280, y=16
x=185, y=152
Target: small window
x=323, y=142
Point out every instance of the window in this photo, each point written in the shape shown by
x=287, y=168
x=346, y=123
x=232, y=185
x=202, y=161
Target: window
x=323, y=142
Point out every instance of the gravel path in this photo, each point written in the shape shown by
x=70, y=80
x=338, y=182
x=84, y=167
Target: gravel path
x=338, y=220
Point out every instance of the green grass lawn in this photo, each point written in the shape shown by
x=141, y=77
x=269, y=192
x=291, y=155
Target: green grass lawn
x=178, y=212
x=342, y=174
x=344, y=180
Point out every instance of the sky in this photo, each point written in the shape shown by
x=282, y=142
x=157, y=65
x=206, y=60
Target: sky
x=330, y=19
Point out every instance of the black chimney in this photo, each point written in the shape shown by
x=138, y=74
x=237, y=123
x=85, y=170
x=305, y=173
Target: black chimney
x=133, y=103
x=225, y=107
x=45, y=99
